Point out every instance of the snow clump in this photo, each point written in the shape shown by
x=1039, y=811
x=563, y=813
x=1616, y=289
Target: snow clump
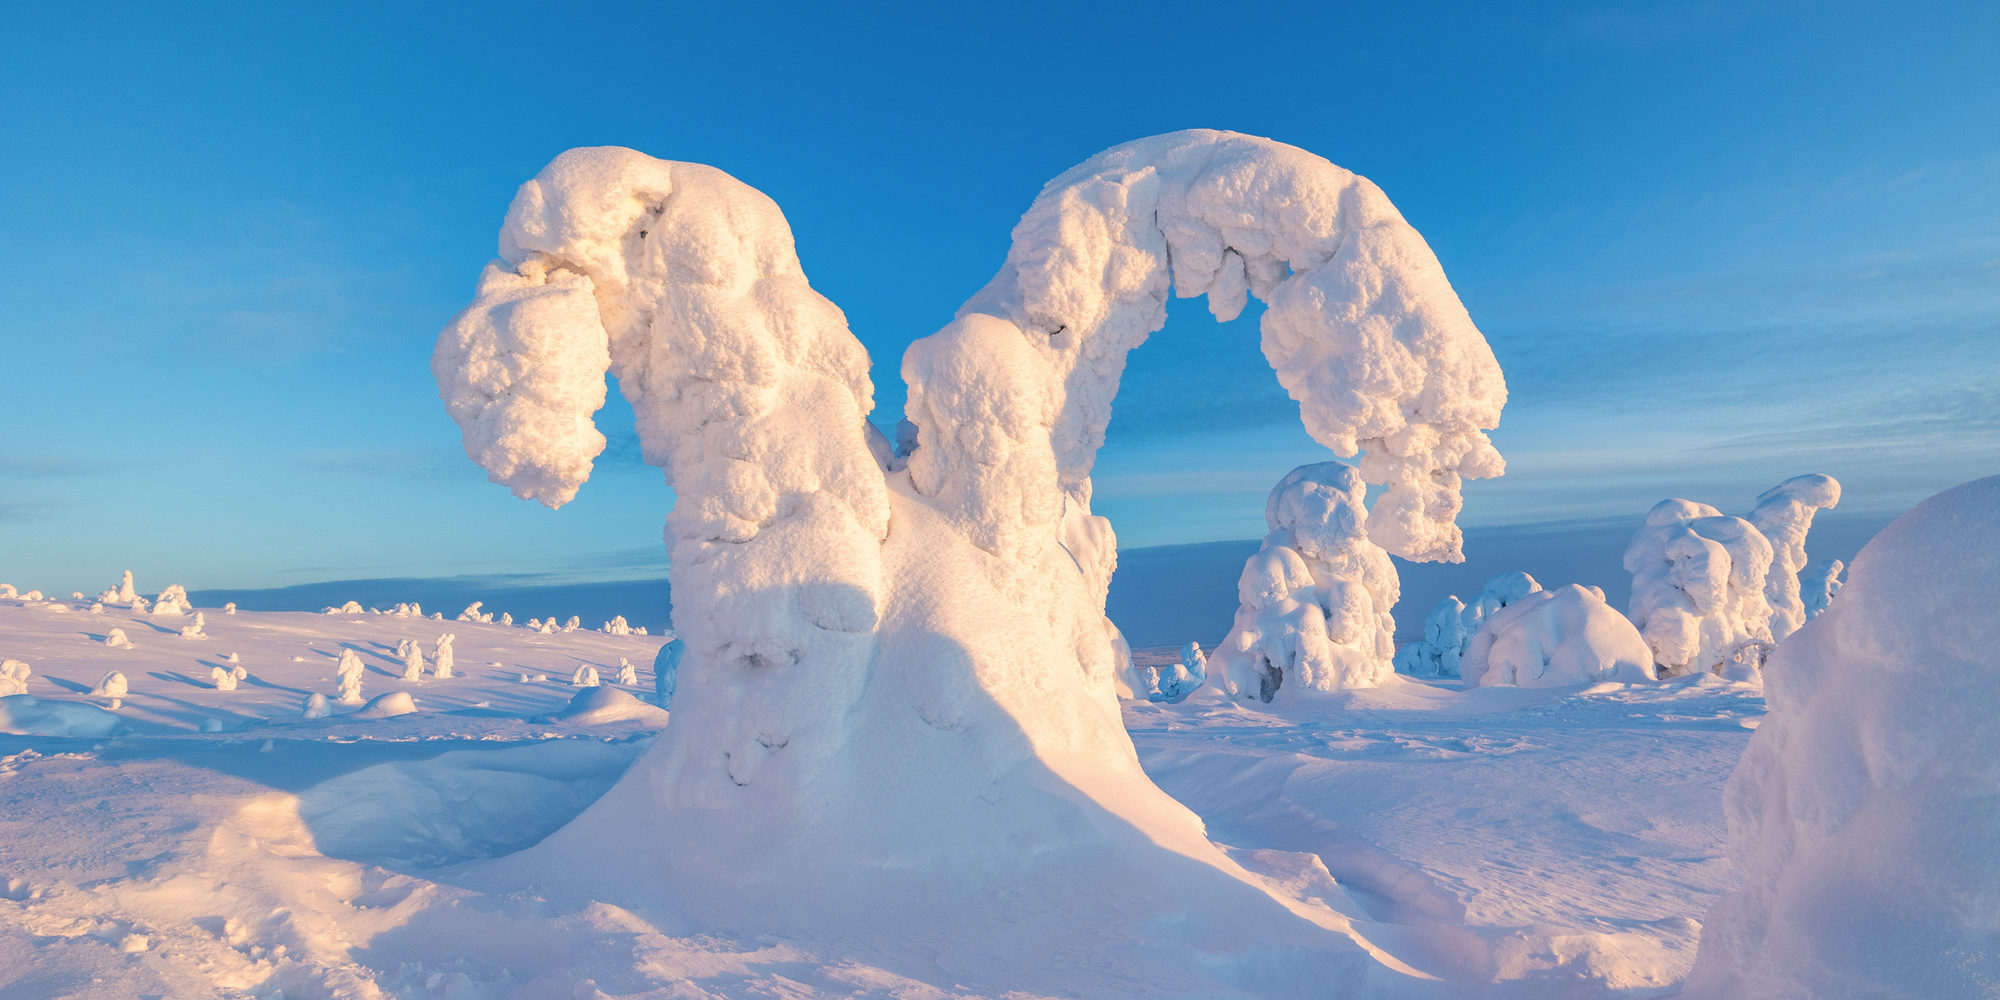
x=471, y=612
x=387, y=706
x=348, y=674
x=115, y=639
x=172, y=602
x=112, y=686
x=315, y=706
x=617, y=626
x=229, y=608
x=121, y=593
x=195, y=629
x=1316, y=597
x=14, y=676
x=1552, y=637
x=1181, y=677
x=585, y=676
x=1862, y=816
x=627, y=675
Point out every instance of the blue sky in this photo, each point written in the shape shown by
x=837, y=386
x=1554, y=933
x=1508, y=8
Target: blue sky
x=1713, y=245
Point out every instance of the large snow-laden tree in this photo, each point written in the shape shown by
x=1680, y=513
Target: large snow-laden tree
x=901, y=683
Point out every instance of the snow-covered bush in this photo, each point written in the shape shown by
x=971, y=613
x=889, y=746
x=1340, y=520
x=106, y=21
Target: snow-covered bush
x=1546, y=638
x=1864, y=813
x=824, y=652
x=441, y=656
x=573, y=624
x=1818, y=585
x=8, y=592
x=616, y=626
x=1315, y=598
x=471, y=612
x=1452, y=624
x=506, y=618
x=112, y=686
x=1698, y=580
x=315, y=706
x=172, y=602
x=196, y=629
x=1784, y=513
x=226, y=676
x=115, y=639
x=666, y=671
x=350, y=608
x=14, y=676
x=229, y=608
x=1182, y=677
x=585, y=676
x=627, y=674
x=348, y=673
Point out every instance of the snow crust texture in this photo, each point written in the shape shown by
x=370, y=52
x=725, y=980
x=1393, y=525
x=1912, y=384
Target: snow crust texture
x=939, y=702
x=1864, y=813
x=1316, y=596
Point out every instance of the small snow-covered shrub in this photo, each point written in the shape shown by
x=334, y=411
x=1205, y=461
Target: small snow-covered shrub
x=229, y=608
x=1553, y=637
x=172, y=602
x=14, y=676
x=121, y=593
x=573, y=624
x=627, y=675
x=348, y=674
x=1452, y=624
x=1316, y=597
x=585, y=676
x=315, y=706
x=350, y=608
x=1818, y=585
x=8, y=592
x=115, y=639
x=616, y=626
x=113, y=686
x=226, y=676
x=666, y=665
x=506, y=618
x=442, y=657
x=412, y=655
x=1864, y=812
x=195, y=629
x=139, y=605
x=471, y=612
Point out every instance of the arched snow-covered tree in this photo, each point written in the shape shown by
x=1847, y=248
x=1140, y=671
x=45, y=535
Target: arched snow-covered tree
x=897, y=711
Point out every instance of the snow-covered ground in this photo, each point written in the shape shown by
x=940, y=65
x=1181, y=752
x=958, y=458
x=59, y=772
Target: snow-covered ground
x=1498, y=842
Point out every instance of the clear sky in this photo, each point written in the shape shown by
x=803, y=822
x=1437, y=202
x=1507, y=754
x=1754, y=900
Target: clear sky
x=1712, y=244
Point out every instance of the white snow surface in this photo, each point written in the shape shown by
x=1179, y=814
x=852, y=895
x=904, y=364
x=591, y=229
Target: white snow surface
x=1865, y=812
x=1546, y=638
x=1500, y=843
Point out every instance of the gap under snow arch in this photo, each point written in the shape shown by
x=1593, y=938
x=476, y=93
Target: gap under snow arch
x=897, y=718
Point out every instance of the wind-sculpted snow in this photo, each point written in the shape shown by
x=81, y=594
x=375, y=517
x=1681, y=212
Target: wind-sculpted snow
x=1316, y=597
x=1549, y=637
x=1697, y=585
x=874, y=708
x=1862, y=816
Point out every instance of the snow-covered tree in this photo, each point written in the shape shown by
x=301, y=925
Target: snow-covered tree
x=115, y=639
x=1818, y=586
x=507, y=618
x=196, y=629
x=573, y=624
x=471, y=612
x=121, y=593
x=14, y=676
x=350, y=608
x=229, y=608
x=412, y=655
x=172, y=602
x=1315, y=598
x=628, y=675
x=1784, y=513
x=824, y=652
x=1452, y=624
x=112, y=686
x=585, y=676
x=225, y=676
x=1862, y=816
x=1546, y=638
x=441, y=656
x=348, y=673
x=8, y=592
x=666, y=671
x=617, y=626
x=315, y=706
x=1180, y=679
x=1697, y=585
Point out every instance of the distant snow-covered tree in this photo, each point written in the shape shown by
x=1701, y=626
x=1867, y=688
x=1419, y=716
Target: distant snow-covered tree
x=112, y=686
x=441, y=656
x=14, y=676
x=348, y=674
x=585, y=676
x=627, y=674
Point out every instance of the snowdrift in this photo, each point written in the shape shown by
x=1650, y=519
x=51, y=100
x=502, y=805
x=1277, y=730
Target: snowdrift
x=928, y=715
x=1865, y=811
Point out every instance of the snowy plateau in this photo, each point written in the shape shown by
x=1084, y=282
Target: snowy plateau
x=894, y=747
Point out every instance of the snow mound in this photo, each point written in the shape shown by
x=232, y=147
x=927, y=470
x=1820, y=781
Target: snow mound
x=602, y=704
x=1316, y=597
x=172, y=602
x=26, y=715
x=386, y=706
x=1864, y=813
x=1547, y=638
x=14, y=676
x=1452, y=624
